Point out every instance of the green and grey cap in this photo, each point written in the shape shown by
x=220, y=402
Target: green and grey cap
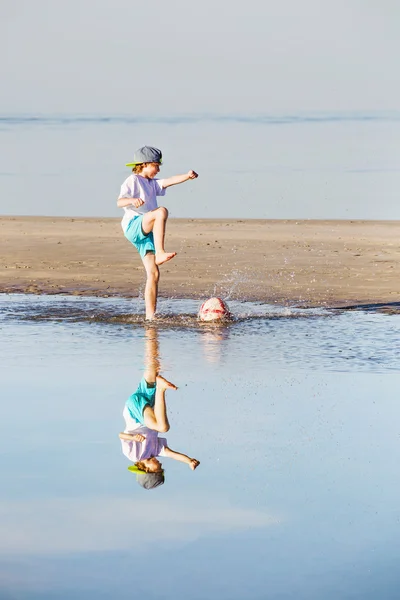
x=147, y=154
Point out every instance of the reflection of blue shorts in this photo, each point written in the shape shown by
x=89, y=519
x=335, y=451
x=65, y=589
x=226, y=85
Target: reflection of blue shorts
x=143, y=242
x=144, y=396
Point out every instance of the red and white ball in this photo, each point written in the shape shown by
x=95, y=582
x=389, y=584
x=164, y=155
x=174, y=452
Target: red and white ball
x=214, y=309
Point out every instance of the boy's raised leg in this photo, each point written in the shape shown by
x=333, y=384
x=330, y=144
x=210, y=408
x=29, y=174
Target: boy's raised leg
x=156, y=221
x=151, y=289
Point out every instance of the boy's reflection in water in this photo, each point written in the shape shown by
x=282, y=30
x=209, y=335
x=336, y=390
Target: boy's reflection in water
x=145, y=415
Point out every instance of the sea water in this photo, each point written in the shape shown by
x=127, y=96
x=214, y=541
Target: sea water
x=292, y=413
x=320, y=165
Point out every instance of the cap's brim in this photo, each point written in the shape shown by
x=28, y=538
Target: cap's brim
x=134, y=469
x=136, y=164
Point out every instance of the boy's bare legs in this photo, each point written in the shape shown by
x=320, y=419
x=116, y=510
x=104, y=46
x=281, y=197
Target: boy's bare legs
x=151, y=289
x=156, y=418
x=156, y=221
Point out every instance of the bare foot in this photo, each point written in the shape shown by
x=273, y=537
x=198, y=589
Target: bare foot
x=164, y=384
x=162, y=257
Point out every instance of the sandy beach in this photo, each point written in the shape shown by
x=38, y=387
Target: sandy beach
x=308, y=263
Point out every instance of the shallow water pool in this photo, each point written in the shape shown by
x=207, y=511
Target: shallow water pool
x=292, y=413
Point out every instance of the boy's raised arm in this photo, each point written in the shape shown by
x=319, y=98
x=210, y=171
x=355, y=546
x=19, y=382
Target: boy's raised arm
x=178, y=179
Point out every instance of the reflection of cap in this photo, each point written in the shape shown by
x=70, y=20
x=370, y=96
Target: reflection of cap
x=147, y=480
x=150, y=480
x=147, y=154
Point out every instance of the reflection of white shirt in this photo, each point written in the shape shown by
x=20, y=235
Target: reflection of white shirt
x=152, y=445
x=136, y=186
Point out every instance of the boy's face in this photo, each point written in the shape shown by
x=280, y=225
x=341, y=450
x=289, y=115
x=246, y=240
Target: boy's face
x=153, y=465
x=150, y=170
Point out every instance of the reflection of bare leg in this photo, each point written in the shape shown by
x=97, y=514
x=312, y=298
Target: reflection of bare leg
x=160, y=408
x=156, y=417
x=152, y=356
x=151, y=289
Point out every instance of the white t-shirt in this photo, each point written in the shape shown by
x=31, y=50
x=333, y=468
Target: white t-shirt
x=136, y=186
x=152, y=445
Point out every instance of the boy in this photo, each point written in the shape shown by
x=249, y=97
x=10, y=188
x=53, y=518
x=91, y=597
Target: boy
x=143, y=222
x=145, y=417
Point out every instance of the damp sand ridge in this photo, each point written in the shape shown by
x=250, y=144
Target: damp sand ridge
x=312, y=263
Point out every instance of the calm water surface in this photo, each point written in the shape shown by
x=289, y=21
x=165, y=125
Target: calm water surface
x=293, y=414
x=329, y=165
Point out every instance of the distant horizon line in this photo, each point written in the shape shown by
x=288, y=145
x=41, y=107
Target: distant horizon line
x=299, y=220
x=270, y=118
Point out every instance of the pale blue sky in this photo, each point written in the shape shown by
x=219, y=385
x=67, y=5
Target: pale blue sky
x=174, y=56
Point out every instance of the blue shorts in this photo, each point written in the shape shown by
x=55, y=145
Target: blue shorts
x=144, y=396
x=143, y=242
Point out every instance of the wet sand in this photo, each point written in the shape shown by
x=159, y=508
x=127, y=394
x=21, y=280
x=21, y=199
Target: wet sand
x=307, y=263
